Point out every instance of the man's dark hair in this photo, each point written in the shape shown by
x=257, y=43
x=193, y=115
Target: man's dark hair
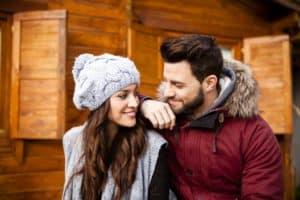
x=201, y=52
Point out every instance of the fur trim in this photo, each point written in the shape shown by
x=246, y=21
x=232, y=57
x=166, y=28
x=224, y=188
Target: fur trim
x=243, y=101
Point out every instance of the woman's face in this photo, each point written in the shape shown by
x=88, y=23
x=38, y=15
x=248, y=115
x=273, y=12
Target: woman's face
x=123, y=106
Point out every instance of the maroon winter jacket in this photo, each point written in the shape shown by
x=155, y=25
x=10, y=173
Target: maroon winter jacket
x=229, y=153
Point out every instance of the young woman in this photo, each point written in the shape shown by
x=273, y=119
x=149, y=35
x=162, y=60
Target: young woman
x=112, y=156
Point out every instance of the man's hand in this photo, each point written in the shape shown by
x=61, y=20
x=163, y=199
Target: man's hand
x=159, y=114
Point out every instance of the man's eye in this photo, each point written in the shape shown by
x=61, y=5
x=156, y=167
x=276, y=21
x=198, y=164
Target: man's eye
x=179, y=86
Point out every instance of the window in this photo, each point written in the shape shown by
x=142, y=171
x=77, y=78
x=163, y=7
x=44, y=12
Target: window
x=227, y=52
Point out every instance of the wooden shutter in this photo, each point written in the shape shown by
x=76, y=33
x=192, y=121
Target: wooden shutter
x=38, y=75
x=269, y=58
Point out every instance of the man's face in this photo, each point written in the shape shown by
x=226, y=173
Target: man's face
x=183, y=92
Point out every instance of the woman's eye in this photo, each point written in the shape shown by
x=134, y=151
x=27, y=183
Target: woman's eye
x=122, y=96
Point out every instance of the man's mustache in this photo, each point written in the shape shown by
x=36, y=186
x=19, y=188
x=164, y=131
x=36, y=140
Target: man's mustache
x=167, y=99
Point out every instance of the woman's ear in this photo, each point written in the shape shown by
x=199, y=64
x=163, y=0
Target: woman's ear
x=209, y=83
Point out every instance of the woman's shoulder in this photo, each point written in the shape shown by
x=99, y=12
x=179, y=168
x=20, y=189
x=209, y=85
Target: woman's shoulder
x=73, y=133
x=154, y=137
x=155, y=143
x=72, y=136
x=148, y=160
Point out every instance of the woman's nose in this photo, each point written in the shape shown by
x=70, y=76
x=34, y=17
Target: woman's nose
x=133, y=101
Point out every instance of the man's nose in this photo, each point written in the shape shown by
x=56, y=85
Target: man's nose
x=169, y=91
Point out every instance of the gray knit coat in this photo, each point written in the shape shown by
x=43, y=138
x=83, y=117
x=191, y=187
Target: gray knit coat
x=72, y=144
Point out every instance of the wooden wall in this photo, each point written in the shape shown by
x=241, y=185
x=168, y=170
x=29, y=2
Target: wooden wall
x=153, y=21
x=33, y=169
x=216, y=17
x=93, y=27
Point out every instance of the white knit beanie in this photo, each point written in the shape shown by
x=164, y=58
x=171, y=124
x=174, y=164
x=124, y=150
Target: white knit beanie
x=98, y=77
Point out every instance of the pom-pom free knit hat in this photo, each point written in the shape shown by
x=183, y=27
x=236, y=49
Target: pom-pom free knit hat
x=98, y=77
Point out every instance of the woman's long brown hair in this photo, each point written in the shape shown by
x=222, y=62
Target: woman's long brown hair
x=120, y=157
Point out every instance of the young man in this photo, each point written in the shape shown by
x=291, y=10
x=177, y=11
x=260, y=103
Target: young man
x=220, y=148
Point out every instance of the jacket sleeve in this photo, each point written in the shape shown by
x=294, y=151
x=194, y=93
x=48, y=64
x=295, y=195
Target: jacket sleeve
x=143, y=98
x=159, y=185
x=262, y=164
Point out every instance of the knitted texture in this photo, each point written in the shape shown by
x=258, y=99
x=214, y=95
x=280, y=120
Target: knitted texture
x=98, y=77
x=73, y=150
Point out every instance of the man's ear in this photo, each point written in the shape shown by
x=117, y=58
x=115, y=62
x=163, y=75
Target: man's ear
x=209, y=83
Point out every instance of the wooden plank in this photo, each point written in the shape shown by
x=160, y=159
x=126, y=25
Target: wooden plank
x=14, y=6
x=288, y=22
x=76, y=50
x=19, y=151
x=44, y=148
x=36, y=195
x=74, y=117
x=112, y=9
x=278, y=121
x=29, y=182
x=39, y=44
x=38, y=124
x=38, y=94
x=61, y=69
x=95, y=39
x=145, y=54
x=207, y=17
x=5, y=78
x=14, y=104
x=94, y=24
x=53, y=14
x=269, y=58
x=9, y=165
x=288, y=113
x=149, y=89
x=5, y=146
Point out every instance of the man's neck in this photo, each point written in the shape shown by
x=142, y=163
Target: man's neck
x=209, y=100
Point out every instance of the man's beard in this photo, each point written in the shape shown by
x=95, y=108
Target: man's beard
x=189, y=108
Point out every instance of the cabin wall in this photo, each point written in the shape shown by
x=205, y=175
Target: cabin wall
x=33, y=169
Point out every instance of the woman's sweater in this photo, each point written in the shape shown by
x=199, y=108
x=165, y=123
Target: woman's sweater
x=151, y=178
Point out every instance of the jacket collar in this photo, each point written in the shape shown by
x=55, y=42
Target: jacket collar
x=209, y=121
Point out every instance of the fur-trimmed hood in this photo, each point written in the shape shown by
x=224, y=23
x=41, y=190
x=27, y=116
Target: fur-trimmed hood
x=244, y=98
x=239, y=90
